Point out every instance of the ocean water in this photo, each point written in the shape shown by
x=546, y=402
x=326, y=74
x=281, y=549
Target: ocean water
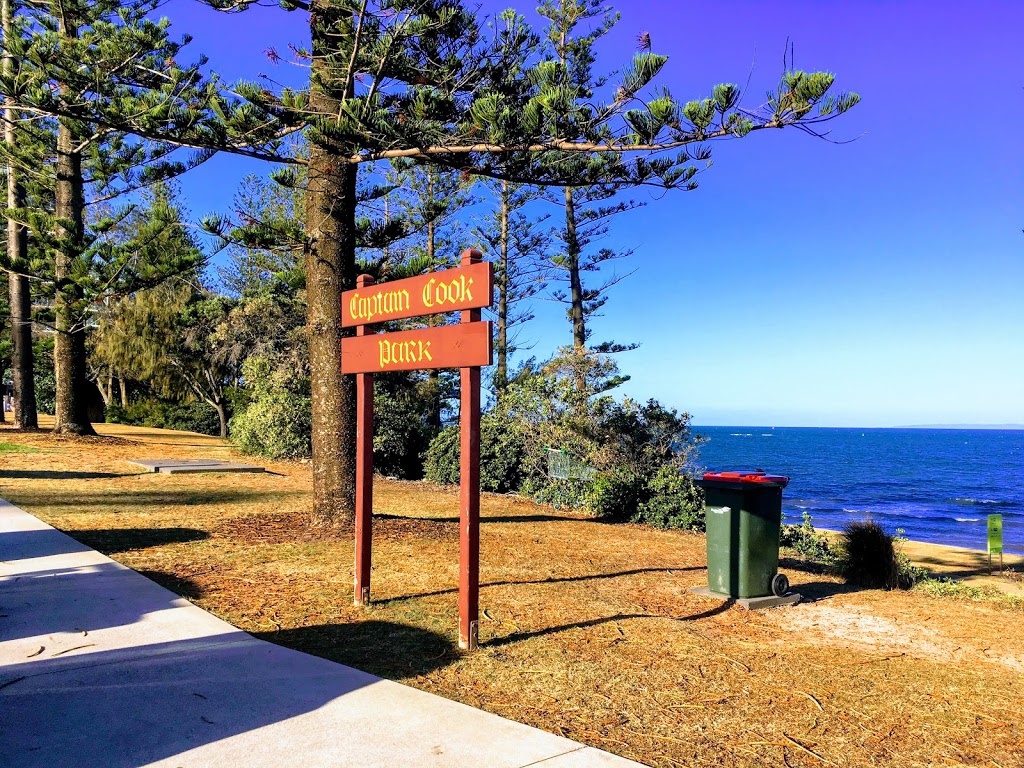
x=939, y=485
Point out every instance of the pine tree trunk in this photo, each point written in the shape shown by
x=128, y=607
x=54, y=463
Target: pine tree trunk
x=572, y=248
x=572, y=260
x=22, y=368
x=330, y=268
x=69, y=356
x=122, y=387
x=501, y=343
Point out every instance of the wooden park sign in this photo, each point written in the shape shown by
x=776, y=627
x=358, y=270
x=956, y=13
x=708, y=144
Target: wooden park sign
x=466, y=346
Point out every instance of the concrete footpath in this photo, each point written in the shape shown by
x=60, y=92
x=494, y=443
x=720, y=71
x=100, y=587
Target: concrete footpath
x=102, y=668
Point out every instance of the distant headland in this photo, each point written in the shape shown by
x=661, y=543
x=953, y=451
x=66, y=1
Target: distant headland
x=961, y=426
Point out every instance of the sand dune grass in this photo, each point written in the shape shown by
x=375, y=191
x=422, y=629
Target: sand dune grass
x=588, y=630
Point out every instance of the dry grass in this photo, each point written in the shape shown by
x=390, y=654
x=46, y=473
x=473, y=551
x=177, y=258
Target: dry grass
x=588, y=630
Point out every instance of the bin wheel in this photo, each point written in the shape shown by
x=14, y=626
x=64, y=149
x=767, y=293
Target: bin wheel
x=780, y=585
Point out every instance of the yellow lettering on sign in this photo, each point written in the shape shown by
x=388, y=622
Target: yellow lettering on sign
x=390, y=352
x=454, y=292
x=376, y=304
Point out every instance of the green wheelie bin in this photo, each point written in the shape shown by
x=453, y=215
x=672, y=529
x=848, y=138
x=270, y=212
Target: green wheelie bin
x=744, y=518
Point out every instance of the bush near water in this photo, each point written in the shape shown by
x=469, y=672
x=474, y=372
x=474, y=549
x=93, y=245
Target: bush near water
x=865, y=555
x=642, y=454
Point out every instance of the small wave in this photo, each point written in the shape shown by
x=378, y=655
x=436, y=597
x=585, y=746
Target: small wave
x=767, y=434
x=740, y=434
x=967, y=519
x=977, y=502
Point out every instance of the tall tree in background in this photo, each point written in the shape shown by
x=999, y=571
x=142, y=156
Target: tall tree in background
x=267, y=242
x=518, y=246
x=586, y=215
x=72, y=53
x=172, y=338
x=155, y=237
x=586, y=209
x=20, y=301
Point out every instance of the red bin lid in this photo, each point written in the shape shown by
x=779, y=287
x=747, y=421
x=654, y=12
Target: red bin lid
x=753, y=476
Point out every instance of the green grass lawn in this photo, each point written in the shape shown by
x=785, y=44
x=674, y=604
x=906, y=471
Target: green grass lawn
x=15, y=448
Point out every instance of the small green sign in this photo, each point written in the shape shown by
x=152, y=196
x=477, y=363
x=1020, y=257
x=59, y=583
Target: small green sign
x=995, y=534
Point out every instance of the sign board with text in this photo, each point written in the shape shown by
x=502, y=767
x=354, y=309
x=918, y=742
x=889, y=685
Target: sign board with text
x=469, y=287
x=995, y=534
x=447, y=346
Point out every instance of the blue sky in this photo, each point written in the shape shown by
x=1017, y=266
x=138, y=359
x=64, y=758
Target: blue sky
x=873, y=283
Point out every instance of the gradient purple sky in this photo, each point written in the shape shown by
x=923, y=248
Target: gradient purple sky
x=875, y=283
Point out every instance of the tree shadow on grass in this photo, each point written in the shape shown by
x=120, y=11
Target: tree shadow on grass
x=111, y=540
x=813, y=591
x=516, y=637
x=804, y=566
x=48, y=474
x=145, y=498
x=484, y=519
x=160, y=438
x=979, y=566
x=179, y=585
x=550, y=580
x=382, y=648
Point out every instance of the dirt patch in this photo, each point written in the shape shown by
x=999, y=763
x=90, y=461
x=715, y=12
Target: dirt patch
x=850, y=628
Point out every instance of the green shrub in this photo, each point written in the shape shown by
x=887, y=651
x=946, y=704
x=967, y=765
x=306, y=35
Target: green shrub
x=277, y=424
x=278, y=421
x=907, y=574
x=808, y=542
x=113, y=413
x=195, y=416
x=45, y=378
x=567, y=494
x=501, y=456
x=142, y=413
x=674, y=501
x=617, y=495
x=401, y=434
x=441, y=464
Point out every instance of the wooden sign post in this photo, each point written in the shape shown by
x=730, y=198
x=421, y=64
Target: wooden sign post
x=466, y=346
x=364, y=469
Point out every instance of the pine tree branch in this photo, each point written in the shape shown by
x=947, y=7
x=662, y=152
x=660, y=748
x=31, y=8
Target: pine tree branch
x=555, y=145
x=348, y=90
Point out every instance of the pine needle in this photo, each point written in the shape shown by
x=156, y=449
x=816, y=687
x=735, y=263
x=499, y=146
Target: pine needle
x=808, y=750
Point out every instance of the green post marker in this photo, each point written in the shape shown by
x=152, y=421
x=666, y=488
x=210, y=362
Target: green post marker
x=995, y=539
